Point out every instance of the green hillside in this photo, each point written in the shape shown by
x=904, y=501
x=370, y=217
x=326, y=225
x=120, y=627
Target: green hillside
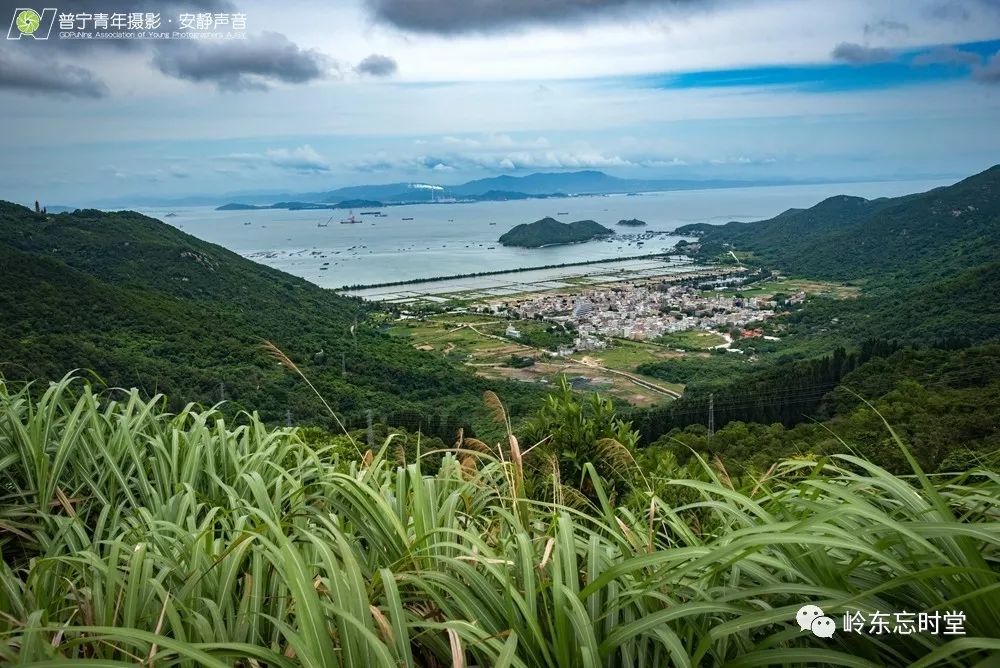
x=550, y=232
x=933, y=233
x=143, y=304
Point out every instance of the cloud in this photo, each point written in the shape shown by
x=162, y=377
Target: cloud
x=237, y=65
x=885, y=27
x=377, y=65
x=448, y=17
x=990, y=72
x=511, y=161
x=949, y=10
x=42, y=77
x=947, y=55
x=302, y=160
x=857, y=54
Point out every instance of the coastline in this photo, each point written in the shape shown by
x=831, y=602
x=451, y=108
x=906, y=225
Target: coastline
x=499, y=272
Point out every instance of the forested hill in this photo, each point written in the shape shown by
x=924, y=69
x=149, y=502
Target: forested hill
x=938, y=233
x=146, y=305
x=550, y=232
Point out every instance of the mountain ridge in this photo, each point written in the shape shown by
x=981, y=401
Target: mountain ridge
x=144, y=304
x=845, y=237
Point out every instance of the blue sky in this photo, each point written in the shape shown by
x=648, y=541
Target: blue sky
x=366, y=91
x=924, y=66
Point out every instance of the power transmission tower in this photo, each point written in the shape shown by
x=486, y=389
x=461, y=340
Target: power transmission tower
x=343, y=364
x=288, y=417
x=222, y=391
x=371, y=434
x=711, y=415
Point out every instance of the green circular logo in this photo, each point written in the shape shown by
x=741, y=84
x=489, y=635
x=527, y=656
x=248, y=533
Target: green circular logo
x=28, y=21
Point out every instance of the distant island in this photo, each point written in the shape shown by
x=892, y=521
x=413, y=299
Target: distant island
x=299, y=206
x=541, y=185
x=550, y=232
x=632, y=222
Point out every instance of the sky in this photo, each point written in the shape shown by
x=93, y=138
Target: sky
x=315, y=95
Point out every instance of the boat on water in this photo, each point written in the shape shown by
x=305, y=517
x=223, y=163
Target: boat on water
x=492, y=223
x=371, y=213
x=248, y=223
x=350, y=221
x=407, y=219
x=565, y=213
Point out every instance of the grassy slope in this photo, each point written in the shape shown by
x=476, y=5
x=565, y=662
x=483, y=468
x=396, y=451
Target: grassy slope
x=259, y=547
x=144, y=304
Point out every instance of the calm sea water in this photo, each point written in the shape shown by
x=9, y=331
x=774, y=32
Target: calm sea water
x=448, y=239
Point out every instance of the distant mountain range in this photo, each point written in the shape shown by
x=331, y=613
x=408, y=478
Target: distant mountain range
x=499, y=188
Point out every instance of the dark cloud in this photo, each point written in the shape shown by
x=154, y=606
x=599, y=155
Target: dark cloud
x=250, y=64
x=857, y=54
x=947, y=55
x=459, y=16
x=34, y=76
x=990, y=72
x=885, y=26
x=377, y=65
x=949, y=10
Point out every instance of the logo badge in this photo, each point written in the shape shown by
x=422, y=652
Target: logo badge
x=26, y=22
x=811, y=618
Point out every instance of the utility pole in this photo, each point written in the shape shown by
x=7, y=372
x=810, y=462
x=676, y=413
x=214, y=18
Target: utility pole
x=222, y=391
x=711, y=415
x=288, y=417
x=343, y=364
x=371, y=434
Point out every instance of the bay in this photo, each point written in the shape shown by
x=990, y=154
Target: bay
x=461, y=238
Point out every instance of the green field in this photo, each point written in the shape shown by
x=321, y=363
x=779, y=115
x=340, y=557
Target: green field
x=790, y=286
x=691, y=340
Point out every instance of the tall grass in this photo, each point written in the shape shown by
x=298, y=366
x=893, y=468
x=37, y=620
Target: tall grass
x=130, y=536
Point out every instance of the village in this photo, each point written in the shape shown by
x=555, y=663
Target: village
x=643, y=311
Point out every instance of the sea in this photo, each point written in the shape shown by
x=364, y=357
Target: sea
x=421, y=241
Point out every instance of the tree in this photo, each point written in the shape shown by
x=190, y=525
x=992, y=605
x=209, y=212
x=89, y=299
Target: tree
x=572, y=433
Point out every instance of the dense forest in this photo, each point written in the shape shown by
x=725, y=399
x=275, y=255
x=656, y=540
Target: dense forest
x=942, y=402
x=145, y=305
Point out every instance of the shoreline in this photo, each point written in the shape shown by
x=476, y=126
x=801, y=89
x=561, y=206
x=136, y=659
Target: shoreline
x=498, y=272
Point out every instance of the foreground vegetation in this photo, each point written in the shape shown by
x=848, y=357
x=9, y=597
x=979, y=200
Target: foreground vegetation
x=130, y=535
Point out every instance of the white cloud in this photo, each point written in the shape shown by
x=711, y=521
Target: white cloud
x=303, y=159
